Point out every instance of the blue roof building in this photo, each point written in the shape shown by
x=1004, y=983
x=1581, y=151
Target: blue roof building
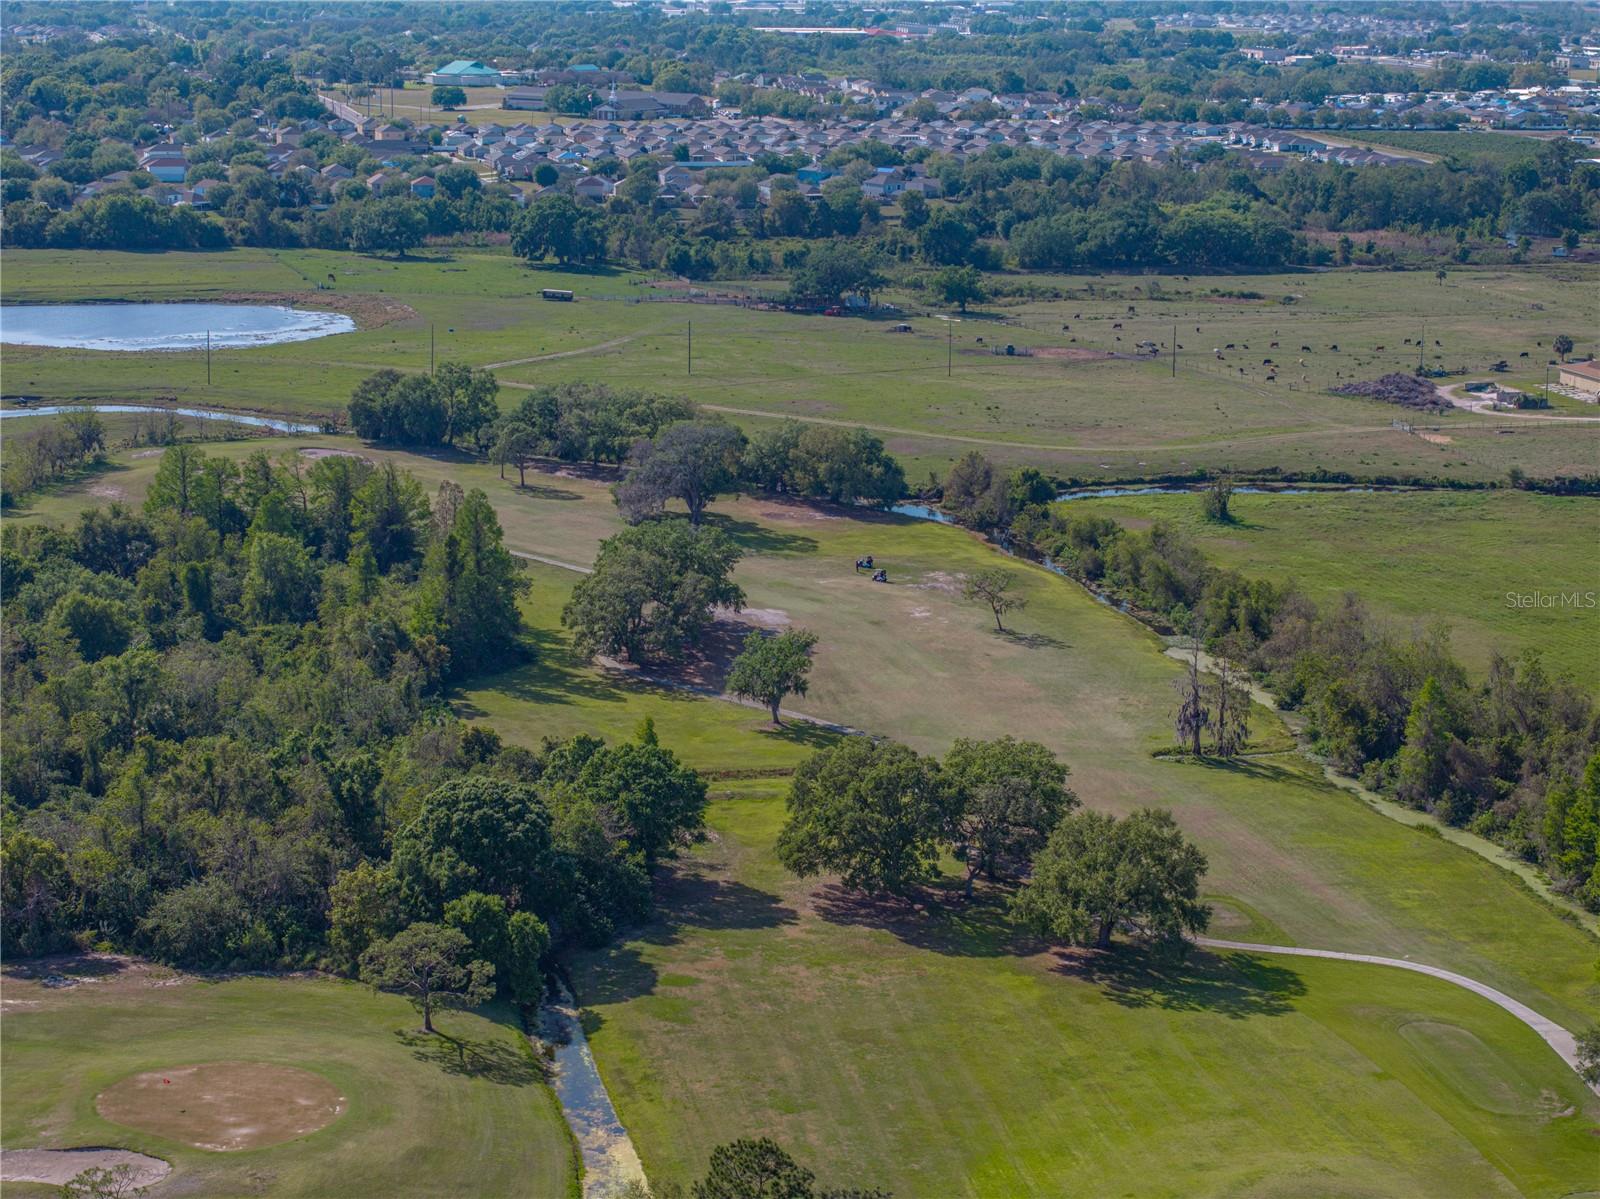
x=466, y=73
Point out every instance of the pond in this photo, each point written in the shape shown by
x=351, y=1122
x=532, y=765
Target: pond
x=142, y=327
x=237, y=418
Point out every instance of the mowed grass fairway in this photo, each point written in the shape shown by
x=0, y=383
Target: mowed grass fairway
x=913, y=661
x=933, y=393
x=941, y=1055
x=466, y=1112
x=1417, y=558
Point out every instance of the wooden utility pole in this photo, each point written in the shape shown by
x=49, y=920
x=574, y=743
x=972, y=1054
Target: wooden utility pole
x=691, y=347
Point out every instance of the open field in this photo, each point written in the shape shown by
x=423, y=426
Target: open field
x=1417, y=558
x=483, y=105
x=941, y=1054
x=933, y=394
x=1465, y=146
x=421, y=1114
x=855, y=1035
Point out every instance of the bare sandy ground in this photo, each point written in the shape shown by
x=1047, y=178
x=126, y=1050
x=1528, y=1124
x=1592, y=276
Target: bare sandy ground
x=57, y=1167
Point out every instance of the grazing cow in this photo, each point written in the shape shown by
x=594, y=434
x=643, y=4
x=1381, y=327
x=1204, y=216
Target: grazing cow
x=1131, y=312
x=1302, y=362
x=1064, y=328
x=1380, y=349
x=1524, y=354
x=1334, y=348
x=1197, y=328
x=1435, y=343
x=1305, y=349
x=1116, y=324
x=1273, y=346
x=1266, y=362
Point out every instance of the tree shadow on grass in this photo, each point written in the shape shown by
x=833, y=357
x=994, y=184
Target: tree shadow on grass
x=938, y=918
x=685, y=898
x=494, y=1060
x=536, y=491
x=1267, y=770
x=1236, y=985
x=1030, y=640
x=755, y=538
x=688, y=898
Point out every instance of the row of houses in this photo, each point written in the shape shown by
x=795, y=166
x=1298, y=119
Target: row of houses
x=725, y=140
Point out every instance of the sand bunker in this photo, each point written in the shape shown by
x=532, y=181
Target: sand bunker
x=57, y=1167
x=224, y=1106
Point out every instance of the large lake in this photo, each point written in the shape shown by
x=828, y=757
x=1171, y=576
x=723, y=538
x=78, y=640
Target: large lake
x=138, y=327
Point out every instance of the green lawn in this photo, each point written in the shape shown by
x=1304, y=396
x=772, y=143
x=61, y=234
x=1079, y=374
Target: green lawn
x=933, y=393
x=940, y=1055
x=1464, y=146
x=1417, y=558
x=425, y=1116
x=926, y=1056
x=558, y=695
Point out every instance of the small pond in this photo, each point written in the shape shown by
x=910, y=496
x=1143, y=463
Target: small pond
x=142, y=327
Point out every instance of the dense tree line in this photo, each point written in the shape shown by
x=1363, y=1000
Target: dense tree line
x=226, y=740
x=1512, y=756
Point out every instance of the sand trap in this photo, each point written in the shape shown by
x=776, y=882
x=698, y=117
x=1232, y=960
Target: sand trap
x=223, y=1106
x=59, y=1166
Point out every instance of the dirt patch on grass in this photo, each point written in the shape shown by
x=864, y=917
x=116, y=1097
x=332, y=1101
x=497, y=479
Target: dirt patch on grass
x=107, y=491
x=1070, y=354
x=1436, y=438
x=797, y=512
x=317, y=451
x=368, y=311
x=941, y=581
x=156, y=453
x=50, y=981
x=224, y=1106
x=56, y=1167
x=763, y=618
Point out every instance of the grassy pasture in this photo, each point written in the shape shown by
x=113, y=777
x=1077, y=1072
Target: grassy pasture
x=942, y=1054
x=1416, y=557
x=423, y=1113
x=933, y=393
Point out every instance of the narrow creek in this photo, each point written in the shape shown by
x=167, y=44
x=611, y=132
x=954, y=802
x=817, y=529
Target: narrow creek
x=238, y=418
x=610, y=1162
